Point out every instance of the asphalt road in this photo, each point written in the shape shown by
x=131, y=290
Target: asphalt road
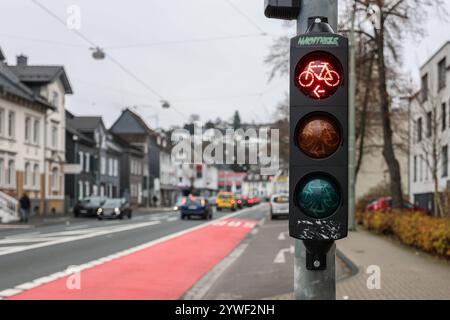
x=28, y=254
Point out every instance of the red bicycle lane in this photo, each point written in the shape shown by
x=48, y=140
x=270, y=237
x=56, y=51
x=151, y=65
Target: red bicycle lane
x=163, y=271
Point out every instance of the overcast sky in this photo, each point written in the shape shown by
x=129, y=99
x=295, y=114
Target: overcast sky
x=211, y=78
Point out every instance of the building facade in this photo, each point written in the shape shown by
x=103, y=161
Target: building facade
x=81, y=164
x=32, y=133
x=430, y=131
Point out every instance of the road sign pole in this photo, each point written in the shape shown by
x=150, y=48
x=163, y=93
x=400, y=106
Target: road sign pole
x=313, y=284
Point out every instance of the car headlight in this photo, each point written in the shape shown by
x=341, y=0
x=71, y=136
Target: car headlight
x=175, y=208
x=99, y=210
x=116, y=210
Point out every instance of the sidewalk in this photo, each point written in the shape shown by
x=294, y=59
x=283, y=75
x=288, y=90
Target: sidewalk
x=405, y=272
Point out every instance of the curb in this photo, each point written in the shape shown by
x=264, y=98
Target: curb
x=354, y=270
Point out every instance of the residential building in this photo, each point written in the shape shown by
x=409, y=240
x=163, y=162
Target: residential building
x=81, y=164
x=131, y=169
x=257, y=185
x=430, y=130
x=231, y=181
x=32, y=133
x=133, y=129
x=168, y=175
x=106, y=158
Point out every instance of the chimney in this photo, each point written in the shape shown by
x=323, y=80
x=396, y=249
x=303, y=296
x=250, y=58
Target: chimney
x=2, y=56
x=22, y=60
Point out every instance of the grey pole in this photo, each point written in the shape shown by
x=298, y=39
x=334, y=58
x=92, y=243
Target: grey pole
x=308, y=284
x=351, y=128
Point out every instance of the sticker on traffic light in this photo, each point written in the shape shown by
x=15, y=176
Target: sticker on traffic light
x=318, y=196
x=318, y=135
x=318, y=75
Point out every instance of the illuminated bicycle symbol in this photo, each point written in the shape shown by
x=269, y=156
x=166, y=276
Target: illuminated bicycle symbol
x=320, y=71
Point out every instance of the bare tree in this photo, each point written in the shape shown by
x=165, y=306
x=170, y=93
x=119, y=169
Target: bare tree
x=432, y=144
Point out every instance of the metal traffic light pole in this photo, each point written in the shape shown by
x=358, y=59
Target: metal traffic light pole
x=314, y=284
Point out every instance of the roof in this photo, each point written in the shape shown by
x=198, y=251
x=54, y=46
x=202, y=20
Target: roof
x=136, y=118
x=434, y=54
x=85, y=124
x=80, y=135
x=42, y=74
x=10, y=83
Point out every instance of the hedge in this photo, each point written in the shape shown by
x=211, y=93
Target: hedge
x=412, y=228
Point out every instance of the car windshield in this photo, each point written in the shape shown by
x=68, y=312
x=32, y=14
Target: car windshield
x=113, y=203
x=92, y=201
x=281, y=199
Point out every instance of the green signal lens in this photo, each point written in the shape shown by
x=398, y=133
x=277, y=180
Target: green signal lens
x=318, y=196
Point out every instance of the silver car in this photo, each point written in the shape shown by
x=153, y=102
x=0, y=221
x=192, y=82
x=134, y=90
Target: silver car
x=279, y=205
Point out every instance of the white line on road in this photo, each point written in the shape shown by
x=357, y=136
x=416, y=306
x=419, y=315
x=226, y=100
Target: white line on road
x=77, y=227
x=92, y=233
x=280, y=257
x=23, y=235
x=62, y=274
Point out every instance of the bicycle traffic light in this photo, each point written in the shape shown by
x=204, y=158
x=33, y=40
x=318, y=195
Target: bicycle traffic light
x=318, y=165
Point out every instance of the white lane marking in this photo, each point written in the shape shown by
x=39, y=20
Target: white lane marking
x=172, y=219
x=22, y=235
x=282, y=235
x=62, y=274
x=280, y=257
x=84, y=235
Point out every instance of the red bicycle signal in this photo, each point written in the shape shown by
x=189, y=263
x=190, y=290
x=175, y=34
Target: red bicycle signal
x=318, y=75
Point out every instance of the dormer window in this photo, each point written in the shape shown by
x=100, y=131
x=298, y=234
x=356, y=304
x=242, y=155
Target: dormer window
x=54, y=99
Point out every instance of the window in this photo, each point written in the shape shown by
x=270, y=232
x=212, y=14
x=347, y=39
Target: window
x=442, y=68
x=415, y=169
x=80, y=190
x=81, y=159
x=88, y=162
x=86, y=189
x=27, y=174
x=103, y=165
x=2, y=121
x=27, y=129
x=54, y=136
x=2, y=171
x=10, y=179
x=94, y=190
x=429, y=119
x=420, y=168
x=444, y=161
x=36, y=175
x=11, y=124
x=116, y=167
x=443, y=116
x=419, y=129
x=424, y=87
x=54, y=100
x=54, y=179
x=36, y=131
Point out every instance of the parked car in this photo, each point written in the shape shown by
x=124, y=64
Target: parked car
x=385, y=204
x=253, y=200
x=279, y=205
x=226, y=200
x=88, y=206
x=115, y=208
x=239, y=201
x=196, y=206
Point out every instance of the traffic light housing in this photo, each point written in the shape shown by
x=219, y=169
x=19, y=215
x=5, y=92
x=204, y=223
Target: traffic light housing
x=318, y=164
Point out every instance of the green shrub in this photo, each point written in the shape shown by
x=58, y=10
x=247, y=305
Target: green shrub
x=412, y=228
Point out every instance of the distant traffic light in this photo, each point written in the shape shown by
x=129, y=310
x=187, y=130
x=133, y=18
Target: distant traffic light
x=318, y=135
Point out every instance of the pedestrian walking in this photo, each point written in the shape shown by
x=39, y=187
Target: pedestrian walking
x=24, y=207
x=155, y=200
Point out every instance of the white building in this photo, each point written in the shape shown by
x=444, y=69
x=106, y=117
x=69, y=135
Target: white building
x=32, y=133
x=430, y=129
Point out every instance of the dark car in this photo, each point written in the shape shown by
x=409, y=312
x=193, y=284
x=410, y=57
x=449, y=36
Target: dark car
x=196, y=206
x=116, y=208
x=88, y=206
x=385, y=204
